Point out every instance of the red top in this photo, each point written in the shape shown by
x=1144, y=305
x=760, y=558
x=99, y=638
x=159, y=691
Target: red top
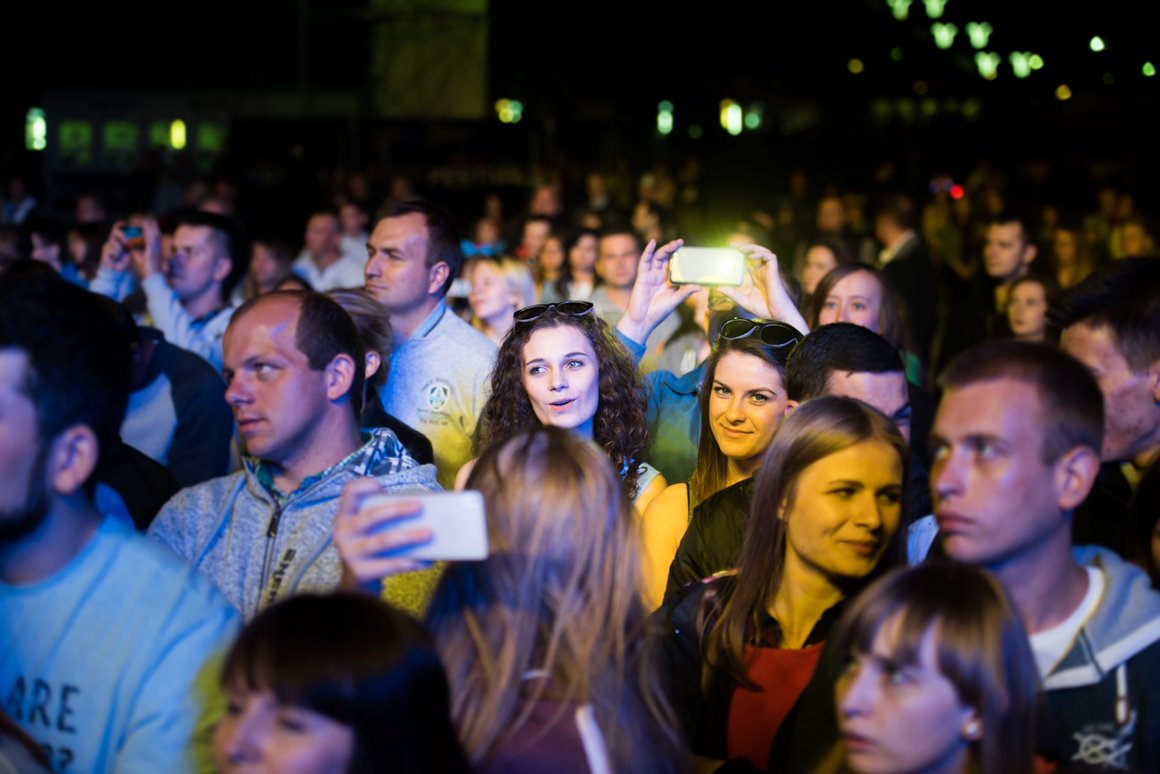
x=755, y=716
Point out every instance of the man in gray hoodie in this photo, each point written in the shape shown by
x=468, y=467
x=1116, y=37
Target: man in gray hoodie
x=293, y=364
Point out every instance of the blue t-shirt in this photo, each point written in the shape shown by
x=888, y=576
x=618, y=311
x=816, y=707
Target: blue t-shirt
x=110, y=663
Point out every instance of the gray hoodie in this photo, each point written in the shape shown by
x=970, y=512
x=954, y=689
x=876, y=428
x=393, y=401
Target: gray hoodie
x=256, y=551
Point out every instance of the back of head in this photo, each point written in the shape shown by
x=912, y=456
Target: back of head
x=372, y=320
x=324, y=331
x=361, y=663
x=1070, y=403
x=1125, y=297
x=443, y=244
x=980, y=645
x=899, y=209
x=559, y=592
x=841, y=348
x=78, y=370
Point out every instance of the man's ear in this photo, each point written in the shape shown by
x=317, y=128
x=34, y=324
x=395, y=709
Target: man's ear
x=339, y=376
x=374, y=362
x=1075, y=473
x=1153, y=375
x=221, y=269
x=72, y=459
x=1029, y=254
x=437, y=278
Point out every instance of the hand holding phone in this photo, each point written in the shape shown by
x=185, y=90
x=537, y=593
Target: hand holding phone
x=707, y=266
x=455, y=521
x=369, y=537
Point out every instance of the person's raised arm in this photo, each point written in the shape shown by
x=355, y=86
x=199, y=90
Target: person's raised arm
x=761, y=292
x=653, y=297
x=366, y=537
x=113, y=278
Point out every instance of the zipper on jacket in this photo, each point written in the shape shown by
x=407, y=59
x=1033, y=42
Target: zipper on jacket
x=271, y=538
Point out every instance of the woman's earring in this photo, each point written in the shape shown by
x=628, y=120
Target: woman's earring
x=972, y=730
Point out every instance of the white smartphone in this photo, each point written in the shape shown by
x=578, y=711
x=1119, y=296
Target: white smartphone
x=707, y=266
x=456, y=519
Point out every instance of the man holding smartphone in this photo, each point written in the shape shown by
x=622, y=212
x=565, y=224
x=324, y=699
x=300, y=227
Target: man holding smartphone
x=186, y=293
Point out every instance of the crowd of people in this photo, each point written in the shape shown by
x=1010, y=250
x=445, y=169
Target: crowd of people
x=889, y=504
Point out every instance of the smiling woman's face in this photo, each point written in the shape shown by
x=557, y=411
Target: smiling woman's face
x=561, y=376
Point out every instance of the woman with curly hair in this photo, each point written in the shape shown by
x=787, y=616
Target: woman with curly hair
x=561, y=365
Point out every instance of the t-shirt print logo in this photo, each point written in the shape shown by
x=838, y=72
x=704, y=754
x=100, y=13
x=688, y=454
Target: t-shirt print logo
x=437, y=395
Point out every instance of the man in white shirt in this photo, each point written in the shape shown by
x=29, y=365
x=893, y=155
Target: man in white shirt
x=186, y=293
x=323, y=263
x=1016, y=445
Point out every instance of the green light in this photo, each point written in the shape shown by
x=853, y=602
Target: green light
x=934, y=8
x=1097, y=44
x=177, y=134
x=752, y=120
x=695, y=132
x=1020, y=64
x=731, y=117
x=665, y=117
x=855, y=66
x=509, y=111
x=1109, y=79
x=35, y=130
x=944, y=35
x=1036, y=62
x=1063, y=93
x=896, y=54
x=900, y=8
x=988, y=64
x=979, y=33
x=1148, y=69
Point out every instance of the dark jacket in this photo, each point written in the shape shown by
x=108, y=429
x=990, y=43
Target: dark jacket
x=704, y=716
x=713, y=540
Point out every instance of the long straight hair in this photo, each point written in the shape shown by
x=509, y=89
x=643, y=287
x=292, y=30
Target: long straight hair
x=555, y=611
x=815, y=430
x=711, y=472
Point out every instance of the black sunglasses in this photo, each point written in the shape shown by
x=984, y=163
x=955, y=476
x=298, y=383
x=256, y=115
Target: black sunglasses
x=569, y=308
x=775, y=334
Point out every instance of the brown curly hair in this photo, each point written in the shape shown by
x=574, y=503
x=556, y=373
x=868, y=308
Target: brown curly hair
x=619, y=427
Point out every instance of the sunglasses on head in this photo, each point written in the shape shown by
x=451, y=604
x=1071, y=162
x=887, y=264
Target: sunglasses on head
x=775, y=334
x=568, y=308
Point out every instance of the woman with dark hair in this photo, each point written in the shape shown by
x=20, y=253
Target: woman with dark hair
x=561, y=365
x=823, y=255
x=583, y=250
x=338, y=683
x=863, y=296
x=826, y=510
x=741, y=400
x=1027, y=303
x=940, y=679
x=551, y=269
